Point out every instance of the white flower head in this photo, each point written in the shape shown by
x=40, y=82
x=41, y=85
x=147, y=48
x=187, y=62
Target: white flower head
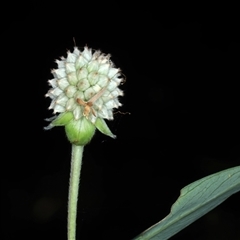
x=84, y=91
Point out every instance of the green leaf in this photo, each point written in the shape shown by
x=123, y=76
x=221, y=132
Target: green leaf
x=196, y=199
x=103, y=128
x=62, y=119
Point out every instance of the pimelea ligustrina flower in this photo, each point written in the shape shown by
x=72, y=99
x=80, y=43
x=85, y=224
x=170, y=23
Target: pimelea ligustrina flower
x=85, y=92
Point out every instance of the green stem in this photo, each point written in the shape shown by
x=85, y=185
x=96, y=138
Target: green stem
x=76, y=163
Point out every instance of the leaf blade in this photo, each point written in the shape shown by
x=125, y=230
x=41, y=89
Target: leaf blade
x=195, y=200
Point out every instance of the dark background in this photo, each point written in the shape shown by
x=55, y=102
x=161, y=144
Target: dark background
x=182, y=91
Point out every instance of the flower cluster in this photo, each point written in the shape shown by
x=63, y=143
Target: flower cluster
x=85, y=92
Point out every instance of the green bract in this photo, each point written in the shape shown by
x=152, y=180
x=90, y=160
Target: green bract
x=85, y=92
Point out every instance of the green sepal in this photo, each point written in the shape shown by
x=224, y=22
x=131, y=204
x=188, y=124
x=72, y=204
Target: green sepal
x=80, y=132
x=62, y=119
x=103, y=128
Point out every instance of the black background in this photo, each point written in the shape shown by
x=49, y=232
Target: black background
x=182, y=90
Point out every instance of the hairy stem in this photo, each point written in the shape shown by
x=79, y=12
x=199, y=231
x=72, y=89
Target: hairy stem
x=76, y=163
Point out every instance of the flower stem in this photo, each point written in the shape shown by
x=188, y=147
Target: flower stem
x=76, y=163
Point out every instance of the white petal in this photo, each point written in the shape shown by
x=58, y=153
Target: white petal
x=93, y=77
x=92, y=118
x=114, y=94
x=93, y=66
x=87, y=53
x=112, y=85
x=77, y=112
x=117, y=103
x=59, y=73
x=59, y=108
x=96, y=88
x=104, y=68
x=70, y=91
x=112, y=72
x=98, y=104
x=103, y=81
x=89, y=93
x=61, y=64
x=110, y=104
x=82, y=73
x=49, y=94
x=110, y=115
x=71, y=58
x=83, y=84
x=96, y=55
x=50, y=126
x=56, y=91
x=103, y=112
x=50, y=119
x=79, y=94
x=70, y=105
x=70, y=67
x=76, y=51
x=62, y=83
x=72, y=78
x=104, y=58
x=117, y=80
x=106, y=94
x=52, y=104
x=53, y=82
x=62, y=100
x=120, y=92
x=81, y=61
